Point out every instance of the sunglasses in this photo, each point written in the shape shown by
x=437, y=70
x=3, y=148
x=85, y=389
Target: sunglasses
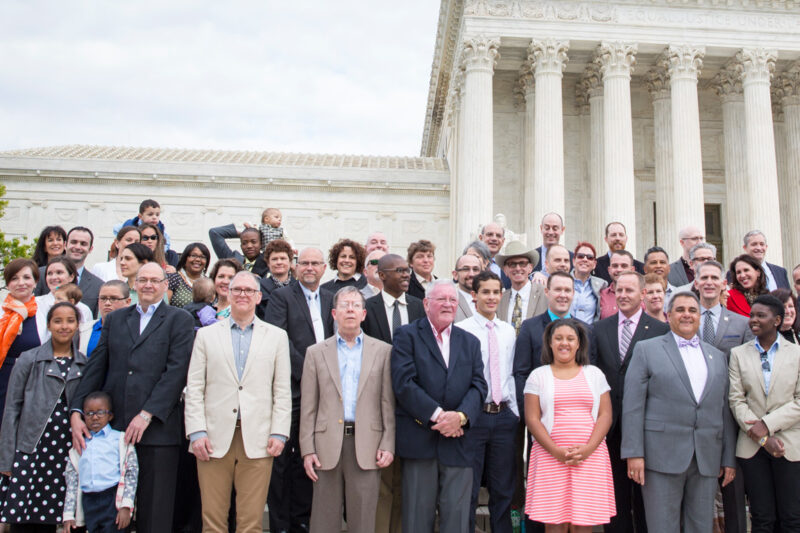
x=149, y=237
x=373, y=262
x=584, y=256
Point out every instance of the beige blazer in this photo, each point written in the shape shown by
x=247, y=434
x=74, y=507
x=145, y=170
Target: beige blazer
x=537, y=303
x=322, y=411
x=215, y=395
x=780, y=409
x=85, y=334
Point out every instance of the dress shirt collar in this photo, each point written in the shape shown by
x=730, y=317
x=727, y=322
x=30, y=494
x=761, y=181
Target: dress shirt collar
x=482, y=320
x=310, y=295
x=554, y=317
x=772, y=349
x=388, y=299
x=716, y=310
x=342, y=343
x=524, y=291
x=104, y=431
x=234, y=325
x=444, y=333
x=150, y=310
x=98, y=325
x=634, y=319
x=422, y=281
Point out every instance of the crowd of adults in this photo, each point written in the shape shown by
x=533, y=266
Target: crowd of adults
x=580, y=387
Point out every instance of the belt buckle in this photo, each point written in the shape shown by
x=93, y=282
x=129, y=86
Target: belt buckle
x=493, y=408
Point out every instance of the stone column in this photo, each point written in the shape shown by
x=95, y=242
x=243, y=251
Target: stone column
x=526, y=92
x=728, y=85
x=616, y=61
x=657, y=81
x=591, y=85
x=475, y=139
x=548, y=58
x=454, y=112
x=788, y=91
x=683, y=63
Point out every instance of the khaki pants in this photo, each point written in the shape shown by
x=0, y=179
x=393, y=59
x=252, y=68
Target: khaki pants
x=250, y=477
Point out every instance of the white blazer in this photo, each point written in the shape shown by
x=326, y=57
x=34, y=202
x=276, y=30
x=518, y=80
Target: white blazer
x=215, y=396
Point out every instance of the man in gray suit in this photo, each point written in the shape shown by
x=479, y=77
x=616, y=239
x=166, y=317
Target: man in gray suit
x=467, y=266
x=677, y=432
x=680, y=271
x=724, y=330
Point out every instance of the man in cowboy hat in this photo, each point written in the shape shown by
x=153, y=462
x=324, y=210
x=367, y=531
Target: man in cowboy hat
x=523, y=299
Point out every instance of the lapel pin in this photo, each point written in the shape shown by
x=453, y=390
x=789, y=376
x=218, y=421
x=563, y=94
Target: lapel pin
x=647, y=327
x=726, y=319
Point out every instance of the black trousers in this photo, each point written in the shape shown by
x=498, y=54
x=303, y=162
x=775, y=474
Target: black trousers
x=290, y=490
x=100, y=511
x=155, y=493
x=733, y=504
x=772, y=485
x=630, y=506
x=493, y=437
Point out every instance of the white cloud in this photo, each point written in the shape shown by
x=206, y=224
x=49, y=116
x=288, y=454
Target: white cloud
x=311, y=76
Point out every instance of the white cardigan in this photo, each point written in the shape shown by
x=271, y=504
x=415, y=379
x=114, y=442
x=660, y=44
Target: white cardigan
x=542, y=383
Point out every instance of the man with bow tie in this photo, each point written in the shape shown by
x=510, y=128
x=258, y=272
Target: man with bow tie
x=678, y=435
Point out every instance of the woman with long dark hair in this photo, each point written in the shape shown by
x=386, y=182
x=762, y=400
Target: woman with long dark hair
x=749, y=282
x=52, y=242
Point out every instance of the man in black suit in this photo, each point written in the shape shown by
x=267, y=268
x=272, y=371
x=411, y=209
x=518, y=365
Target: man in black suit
x=142, y=360
x=437, y=376
x=386, y=312
x=250, y=239
x=552, y=228
x=755, y=245
x=304, y=311
x=80, y=242
x=613, y=341
x=616, y=238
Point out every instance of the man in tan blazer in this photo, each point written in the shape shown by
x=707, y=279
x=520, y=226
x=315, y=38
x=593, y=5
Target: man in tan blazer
x=524, y=299
x=764, y=387
x=347, y=421
x=238, y=408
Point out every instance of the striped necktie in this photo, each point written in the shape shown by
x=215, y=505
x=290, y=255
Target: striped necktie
x=625, y=338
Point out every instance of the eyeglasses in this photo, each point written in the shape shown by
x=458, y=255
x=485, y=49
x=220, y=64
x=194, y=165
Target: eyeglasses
x=238, y=291
x=149, y=237
x=399, y=270
x=196, y=256
x=580, y=255
x=446, y=300
x=314, y=264
x=154, y=281
x=764, y=362
x=110, y=299
x=92, y=414
x=516, y=264
x=350, y=305
x=468, y=269
x=373, y=262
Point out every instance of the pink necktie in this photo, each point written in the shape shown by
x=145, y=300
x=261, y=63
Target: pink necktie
x=494, y=364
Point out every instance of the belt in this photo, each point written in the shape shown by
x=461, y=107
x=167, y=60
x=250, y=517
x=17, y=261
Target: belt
x=349, y=429
x=494, y=408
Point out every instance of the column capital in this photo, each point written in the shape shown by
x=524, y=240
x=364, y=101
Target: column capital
x=756, y=64
x=480, y=53
x=526, y=84
x=589, y=86
x=727, y=83
x=616, y=58
x=657, y=82
x=683, y=61
x=786, y=89
x=454, y=96
x=548, y=56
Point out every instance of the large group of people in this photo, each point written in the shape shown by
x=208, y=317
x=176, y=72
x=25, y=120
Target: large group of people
x=169, y=392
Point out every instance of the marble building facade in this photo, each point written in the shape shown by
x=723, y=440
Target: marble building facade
x=656, y=113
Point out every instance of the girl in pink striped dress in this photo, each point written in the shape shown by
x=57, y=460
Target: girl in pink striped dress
x=568, y=412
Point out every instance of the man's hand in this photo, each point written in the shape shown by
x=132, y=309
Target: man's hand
x=123, y=518
x=274, y=446
x=774, y=447
x=79, y=431
x=68, y=524
x=636, y=469
x=201, y=448
x=758, y=430
x=136, y=428
x=310, y=462
x=539, y=278
x=448, y=424
x=729, y=474
x=384, y=459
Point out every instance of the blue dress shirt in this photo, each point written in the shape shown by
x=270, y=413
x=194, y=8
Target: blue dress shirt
x=554, y=317
x=98, y=467
x=95, y=337
x=584, y=301
x=770, y=358
x=349, y=373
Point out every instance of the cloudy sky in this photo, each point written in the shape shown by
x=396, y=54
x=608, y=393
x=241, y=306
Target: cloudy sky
x=325, y=76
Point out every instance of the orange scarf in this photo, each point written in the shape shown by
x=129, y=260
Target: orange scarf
x=14, y=313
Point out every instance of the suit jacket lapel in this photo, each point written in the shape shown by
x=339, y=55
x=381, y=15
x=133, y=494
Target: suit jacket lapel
x=463, y=305
x=612, y=334
x=155, y=322
x=259, y=339
x=367, y=360
x=325, y=305
x=133, y=324
x=641, y=329
x=379, y=309
x=710, y=374
x=302, y=303
x=502, y=309
x=426, y=334
x=331, y=355
x=722, y=326
x=677, y=361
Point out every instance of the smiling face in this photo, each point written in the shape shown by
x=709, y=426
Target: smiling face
x=585, y=261
x=244, y=293
x=488, y=297
x=467, y=267
x=559, y=294
x=310, y=267
x=440, y=305
x=619, y=264
x=346, y=263
x=57, y=275
x=616, y=237
x=518, y=269
x=746, y=275
x=22, y=284
x=756, y=247
x=557, y=259
x=250, y=241
x=196, y=262
x=151, y=284
x=54, y=244
x=377, y=241
x=395, y=276
x=551, y=229
x=629, y=295
x=223, y=280
x=63, y=324
x=709, y=283
x=79, y=245
x=493, y=236
x=790, y=313
x=653, y=297
x=657, y=263
x=564, y=343
x=422, y=263
x=149, y=238
x=684, y=319
x=129, y=238
x=763, y=322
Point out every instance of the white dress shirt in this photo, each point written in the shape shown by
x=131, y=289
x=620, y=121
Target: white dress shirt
x=771, y=283
x=696, y=367
x=525, y=293
x=506, y=339
x=388, y=303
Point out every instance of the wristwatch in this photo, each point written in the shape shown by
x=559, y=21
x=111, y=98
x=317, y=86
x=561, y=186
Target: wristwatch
x=147, y=418
x=463, y=418
x=763, y=440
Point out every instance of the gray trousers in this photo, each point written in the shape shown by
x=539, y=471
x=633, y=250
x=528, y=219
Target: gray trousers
x=426, y=483
x=666, y=494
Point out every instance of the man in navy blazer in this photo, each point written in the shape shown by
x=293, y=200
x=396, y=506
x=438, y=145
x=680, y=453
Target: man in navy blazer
x=437, y=376
x=755, y=245
x=552, y=228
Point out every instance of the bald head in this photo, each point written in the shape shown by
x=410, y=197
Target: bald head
x=150, y=284
x=552, y=227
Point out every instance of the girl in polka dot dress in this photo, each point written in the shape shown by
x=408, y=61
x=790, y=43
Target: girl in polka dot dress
x=35, y=433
